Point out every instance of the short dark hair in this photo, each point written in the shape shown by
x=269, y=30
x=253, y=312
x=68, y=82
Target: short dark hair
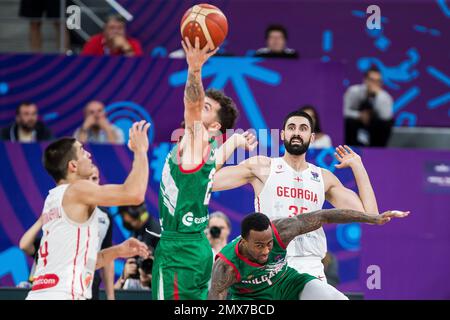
x=133, y=211
x=57, y=155
x=298, y=113
x=317, y=127
x=22, y=104
x=276, y=27
x=371, y=69
x=255, y=221
x=116, y=17
x=228, y=113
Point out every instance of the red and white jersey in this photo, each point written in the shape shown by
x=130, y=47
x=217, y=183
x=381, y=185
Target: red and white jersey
x=67, y=254
x=288, y=193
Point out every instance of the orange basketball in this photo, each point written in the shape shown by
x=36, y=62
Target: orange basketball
x=206, y=22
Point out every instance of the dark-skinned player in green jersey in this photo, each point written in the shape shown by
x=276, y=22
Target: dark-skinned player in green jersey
x=254, y=266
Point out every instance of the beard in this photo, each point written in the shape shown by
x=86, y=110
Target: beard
x=296, y=149
x=28, y=127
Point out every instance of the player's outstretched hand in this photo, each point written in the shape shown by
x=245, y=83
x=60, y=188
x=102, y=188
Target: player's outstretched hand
x=247, y=140
x=388, y=215
x=138, y=137
x=346, y=157
x=133, y=247
x=195, y=56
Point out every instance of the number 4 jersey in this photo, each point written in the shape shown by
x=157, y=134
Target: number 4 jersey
x=67, y=254
x=288, y=193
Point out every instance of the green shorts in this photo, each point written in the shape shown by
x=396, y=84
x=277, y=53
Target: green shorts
x=288, y=287
x=182, y=267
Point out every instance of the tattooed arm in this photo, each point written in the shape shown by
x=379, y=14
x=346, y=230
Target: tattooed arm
x=194, y=94
x=223, y=277
x=289, y=228
x=195, y=139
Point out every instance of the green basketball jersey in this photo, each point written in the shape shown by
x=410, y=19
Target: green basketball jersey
x=184, y=195
x=253, y=278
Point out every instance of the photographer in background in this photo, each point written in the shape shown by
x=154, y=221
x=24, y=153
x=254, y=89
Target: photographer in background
x=219, y=229
x=136, y=275
x=141, y=224
x=368, y=112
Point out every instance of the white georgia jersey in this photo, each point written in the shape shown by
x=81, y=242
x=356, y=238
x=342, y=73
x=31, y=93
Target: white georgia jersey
x=68, y=252
x=288, y=193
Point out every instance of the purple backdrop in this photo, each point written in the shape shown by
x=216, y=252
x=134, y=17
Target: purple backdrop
x=413, y=254
x=411, y=49
x=152, y=88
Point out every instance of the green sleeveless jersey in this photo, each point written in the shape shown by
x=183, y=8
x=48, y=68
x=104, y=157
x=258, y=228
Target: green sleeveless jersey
x=253, y=278
x=184, y=195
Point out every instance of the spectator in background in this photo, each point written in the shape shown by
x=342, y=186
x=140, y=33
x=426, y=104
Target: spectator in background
x=219, y=229
x=321, y=140
x=141, y=224
x=276, y=44
x=331, y=269
x=34, y=11
x=113, y=41
x=368, y=112
x=105, y=241
x=27, y=127
x=96, y=127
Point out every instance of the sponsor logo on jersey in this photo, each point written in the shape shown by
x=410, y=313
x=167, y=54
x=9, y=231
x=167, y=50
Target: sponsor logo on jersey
x=45, y=281
x=88, y=279
x=101, y=220
x=315, y=176
x=188, y=219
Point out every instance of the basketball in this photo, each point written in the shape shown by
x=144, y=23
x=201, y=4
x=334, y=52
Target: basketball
x=206, y=22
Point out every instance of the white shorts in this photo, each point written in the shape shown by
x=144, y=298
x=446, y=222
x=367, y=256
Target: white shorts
x=52, y=295
x=309, y=265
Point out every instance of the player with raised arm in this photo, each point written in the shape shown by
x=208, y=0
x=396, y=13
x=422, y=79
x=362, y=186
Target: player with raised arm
x=183, y=257
x=68, y=253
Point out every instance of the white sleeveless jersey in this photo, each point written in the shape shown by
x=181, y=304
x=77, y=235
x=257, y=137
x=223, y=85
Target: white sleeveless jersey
x=288, y=193
x=103, y=225
x=67, y=255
